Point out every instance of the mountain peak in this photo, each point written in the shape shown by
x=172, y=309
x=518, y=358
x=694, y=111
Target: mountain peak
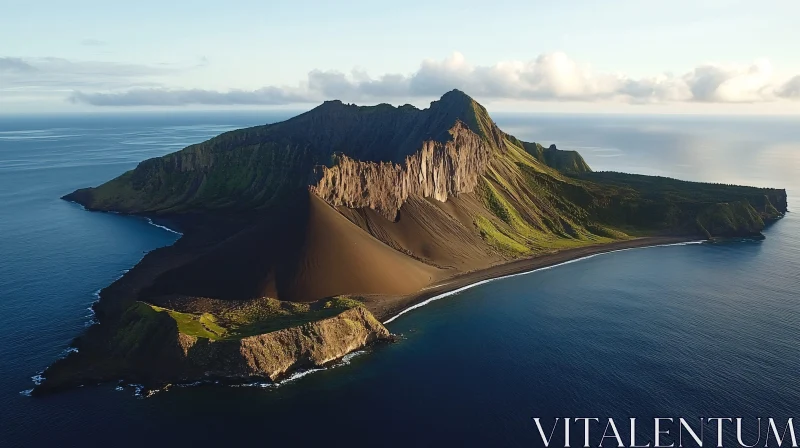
x=454, y=101
x=455, y=95
x=457, y=105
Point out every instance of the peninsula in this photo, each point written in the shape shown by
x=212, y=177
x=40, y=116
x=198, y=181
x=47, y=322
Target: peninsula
x=300, y=237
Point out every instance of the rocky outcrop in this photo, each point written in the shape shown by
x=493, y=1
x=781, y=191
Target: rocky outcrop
x=737, y=219
x=150, y=351
x=566, y=161
x=775, y=200
x=272, y=355
x=438, y=170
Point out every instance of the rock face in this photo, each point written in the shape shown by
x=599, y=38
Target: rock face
x=778, y=199
x=437, y=170
x=566, y=161
x=150, y=351
x=738, y=219
x=272, y=355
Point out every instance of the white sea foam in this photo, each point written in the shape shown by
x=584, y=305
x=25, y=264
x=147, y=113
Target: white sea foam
x=92, y=315
x=295, y=376
x=259, y=384
x=150, y=221
x=345, y=360
x=482, y=282
x=137, y=390
x=79, y=205
x=37, y=379
x=196, y=383
x=67, y=351
x=348, y=357
x=140, y=391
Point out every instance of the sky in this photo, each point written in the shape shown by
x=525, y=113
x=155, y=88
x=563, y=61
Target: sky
x=615, y=56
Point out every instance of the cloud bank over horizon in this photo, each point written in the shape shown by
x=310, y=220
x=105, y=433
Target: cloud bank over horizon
x=548, y=77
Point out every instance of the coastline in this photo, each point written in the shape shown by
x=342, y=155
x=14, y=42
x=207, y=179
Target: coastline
x=444, y=288
x=146, y=218
x=388, y=308
x=384, y=307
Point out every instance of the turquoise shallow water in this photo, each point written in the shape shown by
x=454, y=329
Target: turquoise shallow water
x=687, y=331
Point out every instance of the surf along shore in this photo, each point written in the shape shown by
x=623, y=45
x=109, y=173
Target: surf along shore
x=387, y=308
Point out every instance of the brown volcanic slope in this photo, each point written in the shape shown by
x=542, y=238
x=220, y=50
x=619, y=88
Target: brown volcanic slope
x=308, y=252
x=438, y=233
x=340, y=257
x=382, y=200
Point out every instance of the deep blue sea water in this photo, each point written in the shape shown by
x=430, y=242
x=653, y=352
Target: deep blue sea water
x=686, y=331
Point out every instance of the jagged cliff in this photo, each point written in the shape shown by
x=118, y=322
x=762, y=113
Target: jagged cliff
x=438, y=171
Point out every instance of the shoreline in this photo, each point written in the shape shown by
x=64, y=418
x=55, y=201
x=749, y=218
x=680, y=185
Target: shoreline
x=388, y=308
x=148, y=219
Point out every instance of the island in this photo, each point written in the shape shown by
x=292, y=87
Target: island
x=301, y=237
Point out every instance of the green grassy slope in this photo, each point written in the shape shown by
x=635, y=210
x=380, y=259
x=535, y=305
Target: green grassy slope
x=231, y=320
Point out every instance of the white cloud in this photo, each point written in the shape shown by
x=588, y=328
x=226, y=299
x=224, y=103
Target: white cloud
x=548, y=77
x=791, y=89
x=185, y=97
x=726, y=84
x=59, y=75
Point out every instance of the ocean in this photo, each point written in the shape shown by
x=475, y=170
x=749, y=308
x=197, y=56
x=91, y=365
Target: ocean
x=691, y=331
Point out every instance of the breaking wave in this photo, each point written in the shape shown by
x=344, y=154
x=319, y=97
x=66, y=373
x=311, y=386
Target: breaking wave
x=140, y=391
x=150, y=221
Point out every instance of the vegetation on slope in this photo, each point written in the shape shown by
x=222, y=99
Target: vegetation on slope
x=536, y=208
x=529, y=212
x=498, y=239
x=658, y=204
x=229, y=320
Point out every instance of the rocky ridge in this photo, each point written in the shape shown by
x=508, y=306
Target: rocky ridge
x=437, y=170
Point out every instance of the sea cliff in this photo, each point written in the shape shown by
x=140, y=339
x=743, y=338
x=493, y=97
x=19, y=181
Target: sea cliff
x=274, y=354
x=149, y=348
